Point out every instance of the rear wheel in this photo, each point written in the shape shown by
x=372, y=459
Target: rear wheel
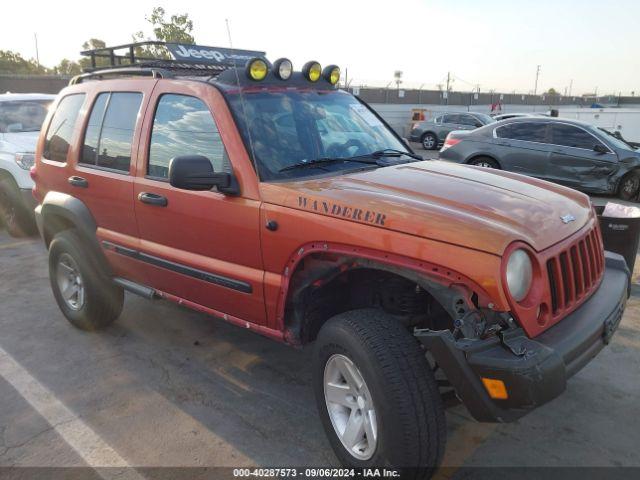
x=15, y=217
x=86, y=296
x=629, y=186
x=429, y=141
x=377, y=398
x=485, y=162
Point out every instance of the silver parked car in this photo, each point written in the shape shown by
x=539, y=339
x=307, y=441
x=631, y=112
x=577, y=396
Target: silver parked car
x=568, y=152
x=432, y=133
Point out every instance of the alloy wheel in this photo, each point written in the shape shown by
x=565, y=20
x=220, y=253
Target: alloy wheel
x=70, y=282
x=350, y=407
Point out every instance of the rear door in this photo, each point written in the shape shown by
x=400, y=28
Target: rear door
x=575, y=163
x=450, y=122
x=203, y=246
x=104, y=166
x=523, y=147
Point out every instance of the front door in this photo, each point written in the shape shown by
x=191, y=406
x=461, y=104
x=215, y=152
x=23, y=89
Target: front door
x=203, y=247
x=575, y=162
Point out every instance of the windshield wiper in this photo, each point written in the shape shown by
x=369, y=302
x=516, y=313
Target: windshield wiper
x=319, y=162
x=391, y=152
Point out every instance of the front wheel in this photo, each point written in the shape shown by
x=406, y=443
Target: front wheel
x=429, y=141
x=378, y=400
x=629, y=186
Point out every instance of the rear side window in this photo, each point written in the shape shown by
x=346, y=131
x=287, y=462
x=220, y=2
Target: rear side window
x=529, y=132
x=183, y=125
x=109, y=134
x=570, y=136
x=60, y=130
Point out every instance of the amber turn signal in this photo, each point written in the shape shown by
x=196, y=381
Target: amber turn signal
x=496, y=388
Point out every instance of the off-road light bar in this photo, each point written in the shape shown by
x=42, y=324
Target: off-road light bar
x=331, y=74
x=257, y=69
x=312, y=71
x=283, y=68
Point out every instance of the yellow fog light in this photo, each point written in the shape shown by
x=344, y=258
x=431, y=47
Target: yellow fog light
x=312, y=71
x=283, y=68
x=331, y=74
x=257, y=69
x=496, y=388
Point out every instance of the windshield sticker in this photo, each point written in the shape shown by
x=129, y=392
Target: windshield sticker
x=342, y=211
x=366, y=115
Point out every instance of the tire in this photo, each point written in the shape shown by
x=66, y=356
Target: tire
x=70, y=264
x=398, y=383
x=429, y=141
x=629, y=186
x=485, y=162
x=16, y=218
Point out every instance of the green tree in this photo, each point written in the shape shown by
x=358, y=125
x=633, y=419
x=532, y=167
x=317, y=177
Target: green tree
x=552, y=91
x=67, y=67
x=176, y=29
x=13, y=62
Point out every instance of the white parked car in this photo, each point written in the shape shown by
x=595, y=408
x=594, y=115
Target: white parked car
x=21, y=116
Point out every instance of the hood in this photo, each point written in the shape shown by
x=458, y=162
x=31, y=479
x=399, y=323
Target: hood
x=473, y=207
x=20, y=141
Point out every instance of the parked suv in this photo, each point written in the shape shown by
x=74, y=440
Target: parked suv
x=21, y=116
x=415, y=280
x=431, y=134
x=564, y=151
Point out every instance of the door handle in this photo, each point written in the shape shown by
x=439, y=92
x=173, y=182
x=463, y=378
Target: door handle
x=78, y=181
x=153, y=199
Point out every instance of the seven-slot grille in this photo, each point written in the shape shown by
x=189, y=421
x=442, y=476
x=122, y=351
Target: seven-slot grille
x=575, y=272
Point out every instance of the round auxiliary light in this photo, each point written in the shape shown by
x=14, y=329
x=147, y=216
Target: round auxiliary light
x=257, y=69
x=283, y=68
x=312, y=71
x=331, y=74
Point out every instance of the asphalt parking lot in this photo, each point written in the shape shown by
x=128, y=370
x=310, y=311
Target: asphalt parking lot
x=168, y=387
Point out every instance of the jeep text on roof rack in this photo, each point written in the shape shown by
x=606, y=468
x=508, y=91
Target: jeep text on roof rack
x=275, y=201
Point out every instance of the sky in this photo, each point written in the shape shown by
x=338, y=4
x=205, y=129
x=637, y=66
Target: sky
x=496, y=44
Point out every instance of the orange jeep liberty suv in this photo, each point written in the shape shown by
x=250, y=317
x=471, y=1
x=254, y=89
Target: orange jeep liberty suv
x=272, y=199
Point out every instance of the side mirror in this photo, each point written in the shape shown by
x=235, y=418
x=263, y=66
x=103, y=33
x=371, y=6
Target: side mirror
x=599, y=148
x=194, y=172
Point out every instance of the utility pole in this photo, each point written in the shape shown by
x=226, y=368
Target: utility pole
x=35, y=35
x=535, y=89
x=570, y=86
x=448, y=81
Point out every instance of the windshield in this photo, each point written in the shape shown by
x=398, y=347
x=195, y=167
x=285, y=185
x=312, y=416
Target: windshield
x=22, y=116
x=284, y=128
x=616, y=140
x=484, y=118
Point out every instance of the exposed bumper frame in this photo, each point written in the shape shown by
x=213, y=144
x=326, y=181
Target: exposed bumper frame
x=534, y=371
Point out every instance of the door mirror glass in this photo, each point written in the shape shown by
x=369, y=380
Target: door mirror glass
x=195, y=172
x=599, y=148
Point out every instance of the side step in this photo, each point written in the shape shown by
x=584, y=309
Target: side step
x=133, y=287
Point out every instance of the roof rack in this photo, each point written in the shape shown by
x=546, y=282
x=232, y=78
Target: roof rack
x=163, y=59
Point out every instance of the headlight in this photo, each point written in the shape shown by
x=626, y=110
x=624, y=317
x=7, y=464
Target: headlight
x=25, y=160
x=519, y=274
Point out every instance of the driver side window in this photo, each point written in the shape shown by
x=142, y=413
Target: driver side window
x=183, y=125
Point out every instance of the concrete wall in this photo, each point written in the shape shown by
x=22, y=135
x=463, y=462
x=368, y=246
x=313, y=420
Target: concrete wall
x=32, y=83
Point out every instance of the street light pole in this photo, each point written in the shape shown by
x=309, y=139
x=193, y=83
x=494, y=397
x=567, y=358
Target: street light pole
x=535, y=88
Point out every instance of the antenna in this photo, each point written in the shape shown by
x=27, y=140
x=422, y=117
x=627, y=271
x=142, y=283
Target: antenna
x=242, y=102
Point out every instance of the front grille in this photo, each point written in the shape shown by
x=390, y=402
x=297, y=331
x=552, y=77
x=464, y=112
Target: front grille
x=575, y=271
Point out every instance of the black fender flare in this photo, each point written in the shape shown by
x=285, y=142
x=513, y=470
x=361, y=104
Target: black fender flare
x=59, y=211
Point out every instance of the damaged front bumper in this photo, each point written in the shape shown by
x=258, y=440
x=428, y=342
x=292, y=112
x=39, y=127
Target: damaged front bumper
x=534, y=371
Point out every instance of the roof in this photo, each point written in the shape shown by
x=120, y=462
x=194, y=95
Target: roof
x=21, y=97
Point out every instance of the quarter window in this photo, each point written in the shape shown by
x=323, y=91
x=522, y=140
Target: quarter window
x=61, y=128
x=109, y=134
x=570, y=136
x=183, y=125
x=529, y=132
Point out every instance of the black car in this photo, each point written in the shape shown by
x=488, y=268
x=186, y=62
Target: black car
x=564, y=151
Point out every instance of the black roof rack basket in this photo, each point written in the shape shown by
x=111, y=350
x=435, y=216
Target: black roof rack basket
x=161, y=60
